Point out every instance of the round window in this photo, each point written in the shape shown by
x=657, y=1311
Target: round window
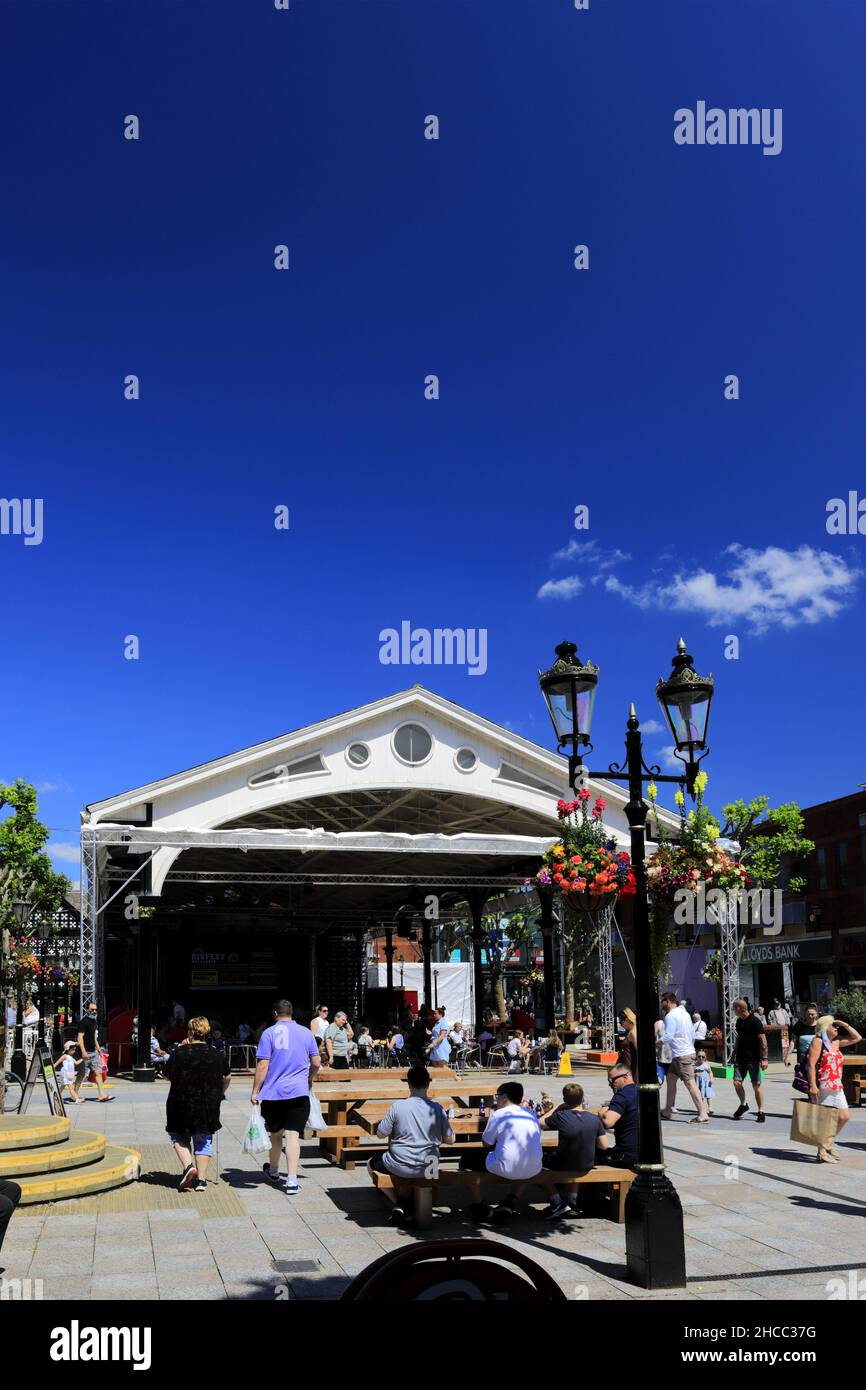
x=358, y=754
x=412, y=743
x=465, y=759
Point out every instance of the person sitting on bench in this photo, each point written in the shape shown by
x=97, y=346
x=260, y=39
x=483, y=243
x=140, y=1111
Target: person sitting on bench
x=414, y=1128
x=513, y=1136
x=582, y=1142
x=621, y=1117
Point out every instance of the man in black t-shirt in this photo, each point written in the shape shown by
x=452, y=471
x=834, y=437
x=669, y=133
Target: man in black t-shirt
x=621, y=1117
x=88, y=1041
x=581, y=1137
x=750, y=1058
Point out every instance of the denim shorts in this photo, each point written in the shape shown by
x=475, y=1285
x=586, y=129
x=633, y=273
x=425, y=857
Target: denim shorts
x=201, y=1145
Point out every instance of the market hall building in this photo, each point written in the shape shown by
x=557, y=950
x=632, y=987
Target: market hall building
x=265, y=871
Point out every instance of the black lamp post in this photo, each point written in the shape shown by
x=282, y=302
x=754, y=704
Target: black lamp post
x=655, y=1247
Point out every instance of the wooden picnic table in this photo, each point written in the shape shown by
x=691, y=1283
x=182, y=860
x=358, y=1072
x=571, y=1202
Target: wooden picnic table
x=338, y=1101
x=466, y=1121
x=367, y=1074
x=853, y=1066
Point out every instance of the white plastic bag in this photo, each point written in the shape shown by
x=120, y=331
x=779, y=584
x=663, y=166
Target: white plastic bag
x=255, y=1136
x=317, y=1119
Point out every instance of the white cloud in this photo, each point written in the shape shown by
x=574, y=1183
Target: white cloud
x=668, y=759
x=761, y=588
x=652, y=726
x=47, y=786
x=589, y=553
x=561, y=588
x=68, y=853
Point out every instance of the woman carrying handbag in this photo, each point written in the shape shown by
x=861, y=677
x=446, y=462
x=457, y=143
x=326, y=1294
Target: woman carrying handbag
x=823, y=1068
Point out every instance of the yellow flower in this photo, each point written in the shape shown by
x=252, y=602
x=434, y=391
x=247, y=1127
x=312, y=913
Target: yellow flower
x=653, y=791
x=701, y=782
x=712, y=832
x=679, y=798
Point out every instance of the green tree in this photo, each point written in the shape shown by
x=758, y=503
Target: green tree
x=502, y=933
x=25, y=870
x=26, y=873
x=767, y=837
x=850, y=1006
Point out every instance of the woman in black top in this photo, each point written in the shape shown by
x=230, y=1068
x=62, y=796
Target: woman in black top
x=199, y=1077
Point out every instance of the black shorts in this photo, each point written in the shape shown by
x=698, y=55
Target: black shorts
x=286, y=1114
x=747, y=1067
x=340, y=1064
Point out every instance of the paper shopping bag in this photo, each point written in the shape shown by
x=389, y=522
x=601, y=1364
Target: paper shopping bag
x=814, y=1125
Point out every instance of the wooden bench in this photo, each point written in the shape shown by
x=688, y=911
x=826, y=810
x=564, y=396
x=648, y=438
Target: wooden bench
x=619, y=1180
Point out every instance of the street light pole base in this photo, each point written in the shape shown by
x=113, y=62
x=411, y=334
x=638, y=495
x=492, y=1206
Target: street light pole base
x=654, y=1241
x=144, y=1073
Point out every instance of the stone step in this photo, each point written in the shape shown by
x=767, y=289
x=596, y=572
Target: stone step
x=86, y=1147
x=118, y=1165
x=27, y=1131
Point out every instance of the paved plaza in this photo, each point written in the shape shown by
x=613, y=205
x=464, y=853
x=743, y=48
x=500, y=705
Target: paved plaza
x=763, y=1220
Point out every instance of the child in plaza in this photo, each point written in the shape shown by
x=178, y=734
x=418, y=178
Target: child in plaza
x=67, y=1075
x=704, y=1079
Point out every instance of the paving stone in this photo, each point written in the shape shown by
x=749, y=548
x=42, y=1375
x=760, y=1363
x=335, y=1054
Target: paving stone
x=109, y=1287
x=257, y=1292
x=181, y=1293
x=184, y=1264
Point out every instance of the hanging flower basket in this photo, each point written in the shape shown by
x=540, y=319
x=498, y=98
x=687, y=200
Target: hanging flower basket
x=693, y=858
x=584, y=866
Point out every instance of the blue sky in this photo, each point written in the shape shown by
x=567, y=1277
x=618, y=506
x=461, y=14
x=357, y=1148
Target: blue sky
x=408, y=257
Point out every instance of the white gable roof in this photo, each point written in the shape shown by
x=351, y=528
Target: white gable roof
x=312, y=762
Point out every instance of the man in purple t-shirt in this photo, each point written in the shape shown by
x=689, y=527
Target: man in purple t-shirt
x=286, y=1062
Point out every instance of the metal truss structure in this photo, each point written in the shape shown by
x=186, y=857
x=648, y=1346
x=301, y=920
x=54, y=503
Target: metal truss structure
x=97, y=840
x=605, y=970
x=505, y=882
x=730, y=953
x=89, y=936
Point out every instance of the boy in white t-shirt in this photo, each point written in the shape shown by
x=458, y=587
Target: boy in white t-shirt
x=513, y=1140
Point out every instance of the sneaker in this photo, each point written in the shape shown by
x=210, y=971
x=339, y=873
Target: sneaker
x=199, y=1185
x=272, y=1177
x=187, y=1180
x=557, y=1211
x=739, y=1112
x=761, y=1117
x=398, y=1216
x=505, y=1210
x=293, y=1187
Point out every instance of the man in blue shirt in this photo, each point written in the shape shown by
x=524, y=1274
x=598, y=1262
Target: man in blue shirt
x=439, y=1049
x=286, y=1062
